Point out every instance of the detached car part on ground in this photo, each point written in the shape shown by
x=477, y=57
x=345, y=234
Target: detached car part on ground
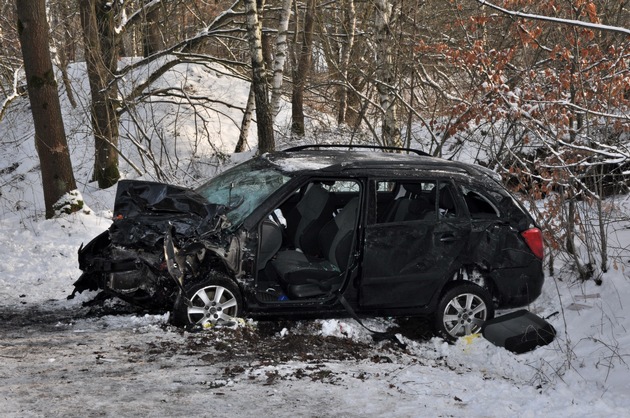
x=321, y=233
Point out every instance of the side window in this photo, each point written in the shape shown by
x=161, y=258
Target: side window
x=405, y=201
x=447, y=208
x=343, y=186
x=479, y=206
x=307, y=211
x=385, y=186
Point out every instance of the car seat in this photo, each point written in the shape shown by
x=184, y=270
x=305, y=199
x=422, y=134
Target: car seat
x=304, y=276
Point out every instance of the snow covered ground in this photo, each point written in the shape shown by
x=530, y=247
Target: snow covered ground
x=60, y=358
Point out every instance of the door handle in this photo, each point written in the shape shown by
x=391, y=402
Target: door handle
x=447, y=238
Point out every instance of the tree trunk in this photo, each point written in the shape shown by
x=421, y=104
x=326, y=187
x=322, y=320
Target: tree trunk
x=101, y=57
x=300, y=73
x=346, y=50
x=267, y=48
x=385, y=83
x=151, y=36
x=264, y=121
x=50, y=136
x=246, y=122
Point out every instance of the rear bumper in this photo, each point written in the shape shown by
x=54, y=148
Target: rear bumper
x=516, y=287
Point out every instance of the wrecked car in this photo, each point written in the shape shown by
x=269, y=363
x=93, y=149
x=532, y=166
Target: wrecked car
x=320, y=231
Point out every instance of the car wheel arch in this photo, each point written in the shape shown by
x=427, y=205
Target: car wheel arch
x=465, y=274
x=214, y=266
x=204, y=261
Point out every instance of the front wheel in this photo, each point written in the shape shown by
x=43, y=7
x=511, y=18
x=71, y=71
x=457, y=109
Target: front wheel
x=214, y=301
x=462, y=311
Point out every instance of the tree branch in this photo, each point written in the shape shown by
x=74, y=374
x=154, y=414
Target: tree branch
x=14, y=95
x=595, y=26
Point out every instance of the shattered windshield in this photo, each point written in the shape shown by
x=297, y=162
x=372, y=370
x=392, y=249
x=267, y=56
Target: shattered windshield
x=243, y=188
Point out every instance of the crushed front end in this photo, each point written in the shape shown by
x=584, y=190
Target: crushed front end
x=128, y=259
x=135, y=275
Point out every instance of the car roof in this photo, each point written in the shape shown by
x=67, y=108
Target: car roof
x=299, y=160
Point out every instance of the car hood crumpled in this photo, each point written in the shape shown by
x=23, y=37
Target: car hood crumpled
x=144, y=210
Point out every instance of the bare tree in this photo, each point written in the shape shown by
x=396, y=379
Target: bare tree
x=10, y=57
x=50, y=137
x=246, y=122
x=64, y=41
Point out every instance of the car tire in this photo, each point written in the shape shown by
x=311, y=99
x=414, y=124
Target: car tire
x=215, y=300
x=462, y=310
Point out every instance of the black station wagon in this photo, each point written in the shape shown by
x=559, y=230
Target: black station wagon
x=314, y=232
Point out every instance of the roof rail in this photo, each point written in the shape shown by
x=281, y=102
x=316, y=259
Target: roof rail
x=374, y=147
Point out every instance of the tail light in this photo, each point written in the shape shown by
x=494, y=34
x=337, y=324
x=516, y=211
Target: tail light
x=534, y=240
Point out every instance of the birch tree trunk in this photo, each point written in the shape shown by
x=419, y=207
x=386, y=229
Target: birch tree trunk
x=264, y=121
x=50, y=136
x=280, y=58
x=386, y=83
x=246, y=122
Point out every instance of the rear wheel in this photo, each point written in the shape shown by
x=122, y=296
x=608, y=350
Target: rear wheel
x=213, y=301
x=462, y=311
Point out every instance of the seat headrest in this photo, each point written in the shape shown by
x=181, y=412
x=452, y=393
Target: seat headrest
x=413, y=188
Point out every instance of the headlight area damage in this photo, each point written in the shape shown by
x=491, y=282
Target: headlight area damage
x=128, y=260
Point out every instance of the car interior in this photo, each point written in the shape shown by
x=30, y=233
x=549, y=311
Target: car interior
x=305, y=244
x=413, y=201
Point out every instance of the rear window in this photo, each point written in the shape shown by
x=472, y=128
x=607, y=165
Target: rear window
x=479, y=206
x=490, y=200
